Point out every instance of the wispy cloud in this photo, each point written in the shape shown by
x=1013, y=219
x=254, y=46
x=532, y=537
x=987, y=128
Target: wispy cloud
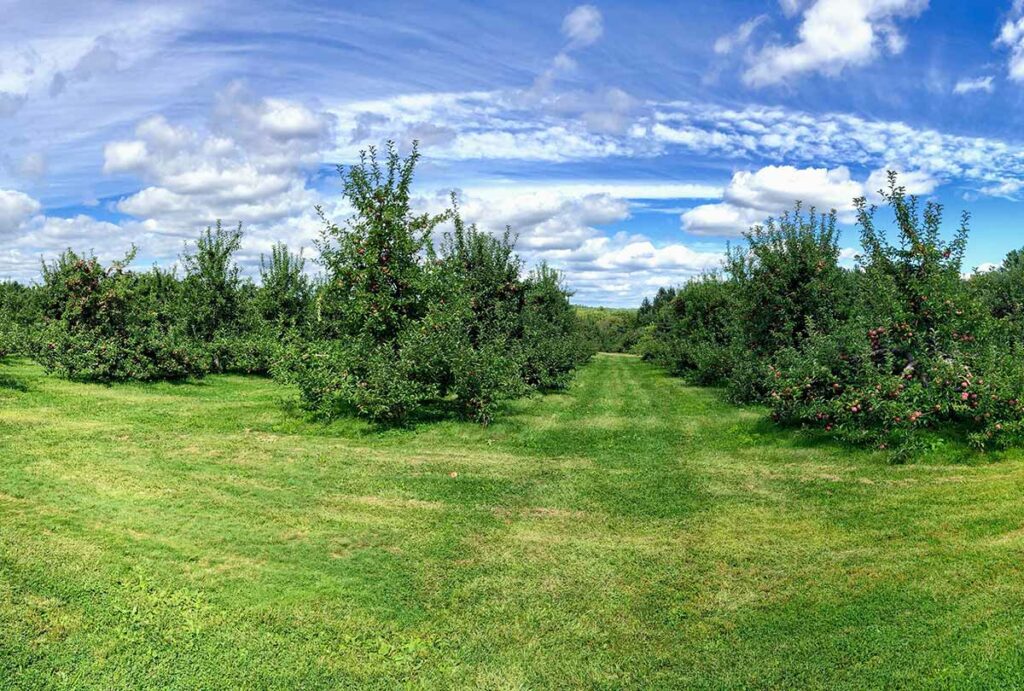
x=739, y=38
x=967, y=86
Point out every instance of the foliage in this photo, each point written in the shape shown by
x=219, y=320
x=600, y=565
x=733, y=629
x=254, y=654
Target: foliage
x=285, y=293
x=108, y=324
x=400, y=322
x=211, y=304
x=896, y=354
x=787, y=285
x=1001, y=292
x=403, y=324
x=554, y=344
x=609, y=330
x=20, y=317
x=691, y=330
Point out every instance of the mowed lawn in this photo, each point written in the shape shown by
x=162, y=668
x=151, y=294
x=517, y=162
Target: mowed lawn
x=632, y=532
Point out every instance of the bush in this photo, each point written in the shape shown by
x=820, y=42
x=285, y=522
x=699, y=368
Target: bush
x=896, y=354
x=20, y=317
x=787, y=284
x=917, y=356
x=692, y=331
x=609, y=330
x=553, y=344
x=108, y=324
x=212, y=297
x=402, y=324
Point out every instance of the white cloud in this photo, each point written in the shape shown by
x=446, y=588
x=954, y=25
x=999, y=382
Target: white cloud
x=776, y=187
x=740, y=37
x=830, y=140
x=720, y=220
x=249, y=166
x=791, y=7
x=489, y=125
x=622, y=189
x=583, y=26
x=916, y=182
x=543, y=220
x=15, y=208
x=1011, y=35
x=966, y=86
x=751, y=197
x=121, y=157
x=1008, y=189
x=833, y=35
x=48, y=64
x=562, y=224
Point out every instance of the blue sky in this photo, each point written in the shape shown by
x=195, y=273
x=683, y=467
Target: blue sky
x=625, y=143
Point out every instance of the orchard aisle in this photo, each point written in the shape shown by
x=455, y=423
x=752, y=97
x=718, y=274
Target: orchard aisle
x=632, y=532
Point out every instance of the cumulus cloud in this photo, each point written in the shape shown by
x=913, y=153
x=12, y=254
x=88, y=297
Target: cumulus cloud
x=250, y=165
x=967, y=86
x=543, y=220
x=29, y=234
x=750, y=197
x=15, y=208
x=1011, y=36
x=566, y=225
x=720, y=220
x=917, y=182
x=774, y=187
x=833, y=35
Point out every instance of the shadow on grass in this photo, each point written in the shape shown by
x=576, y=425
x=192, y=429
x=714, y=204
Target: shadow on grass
x=949, y=444
x=945, y=445
x=9, y=383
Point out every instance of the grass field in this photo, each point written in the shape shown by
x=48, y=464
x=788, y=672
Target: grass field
x=632, y=532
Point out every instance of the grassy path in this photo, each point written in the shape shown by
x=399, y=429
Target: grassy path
x=631, y=532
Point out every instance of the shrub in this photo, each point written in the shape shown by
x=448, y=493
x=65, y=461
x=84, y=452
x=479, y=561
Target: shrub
x=1001, y=292
x=692, y=331
x=916, y=357
x=20, y=317
x=402, y=324
x=108, y=324
x=609, y=330
x=212, y=299
x=553, y=345
x=283, y=298
x=787, y=284
x=374, y=295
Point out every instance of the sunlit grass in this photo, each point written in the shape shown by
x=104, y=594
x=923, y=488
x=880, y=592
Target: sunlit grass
x=631, y=532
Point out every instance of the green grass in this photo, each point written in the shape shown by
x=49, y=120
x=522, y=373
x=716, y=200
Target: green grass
x=632, y=532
